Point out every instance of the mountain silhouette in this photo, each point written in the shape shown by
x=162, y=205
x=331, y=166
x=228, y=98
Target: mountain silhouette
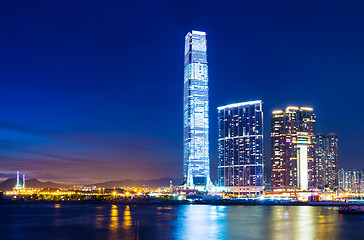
x=10, y=183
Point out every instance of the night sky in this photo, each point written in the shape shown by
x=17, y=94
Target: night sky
x=93, y=90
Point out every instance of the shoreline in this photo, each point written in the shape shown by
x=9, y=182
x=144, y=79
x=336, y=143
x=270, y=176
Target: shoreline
x=174, y=202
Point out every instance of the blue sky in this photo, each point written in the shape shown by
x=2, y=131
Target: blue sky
x=92, y=91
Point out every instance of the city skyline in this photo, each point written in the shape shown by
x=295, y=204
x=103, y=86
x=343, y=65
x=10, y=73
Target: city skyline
x=97, y=95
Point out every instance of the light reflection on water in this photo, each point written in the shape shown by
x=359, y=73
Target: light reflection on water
x=129, y=228
x=57, y=210
x=114, y=218
x=127, y=218
x=99, y=217
x=201, y=222
x=303, y=222
x=114, y=223
x=85, y=221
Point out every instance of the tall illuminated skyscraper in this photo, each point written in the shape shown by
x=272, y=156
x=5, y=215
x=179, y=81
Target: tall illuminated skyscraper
x=240, y=143
x=327, y=160
x=196, y=165
x=293, y=149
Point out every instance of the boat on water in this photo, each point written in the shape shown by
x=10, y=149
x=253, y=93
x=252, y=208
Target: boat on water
x=352, y=210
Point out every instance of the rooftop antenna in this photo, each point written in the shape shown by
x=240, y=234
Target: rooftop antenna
x=17, y=179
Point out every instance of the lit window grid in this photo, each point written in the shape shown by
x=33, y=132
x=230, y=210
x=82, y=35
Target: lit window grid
x=241, y=145
x=196, y=169
x=287, y=131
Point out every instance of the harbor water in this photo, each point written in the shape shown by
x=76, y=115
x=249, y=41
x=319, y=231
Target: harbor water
x=103, y=221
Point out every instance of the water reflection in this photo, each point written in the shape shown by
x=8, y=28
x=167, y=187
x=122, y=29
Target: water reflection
x=57, y=218
x=279, y=222
x=201, y=222
x=114, y=222
x=257, y=222
x=245, y=222
x=129, y=230
x=176, y=222
x=99, y=218
x=127, y=218
x=328, y=223
x=302, y=222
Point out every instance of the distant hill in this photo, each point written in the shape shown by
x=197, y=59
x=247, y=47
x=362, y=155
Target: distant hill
x=163, y=182
x=8, y=184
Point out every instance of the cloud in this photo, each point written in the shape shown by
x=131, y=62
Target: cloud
x=85, y=157
x=23, y=129
x=58, y=157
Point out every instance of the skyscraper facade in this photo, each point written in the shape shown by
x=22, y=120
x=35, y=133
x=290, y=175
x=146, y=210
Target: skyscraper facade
x=293, y=149
x=349, y=180
x=240, y=146
x=196, y=165
x=355, y=178
x=327, y=160
x=341, y=179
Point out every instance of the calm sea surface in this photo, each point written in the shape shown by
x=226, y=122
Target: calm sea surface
x=83, y=221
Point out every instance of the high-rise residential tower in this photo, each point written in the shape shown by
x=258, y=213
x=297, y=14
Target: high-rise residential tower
x=240, y=143
x=327, y=160
x=293, y=149
x=196, y=165
x=349, y=180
